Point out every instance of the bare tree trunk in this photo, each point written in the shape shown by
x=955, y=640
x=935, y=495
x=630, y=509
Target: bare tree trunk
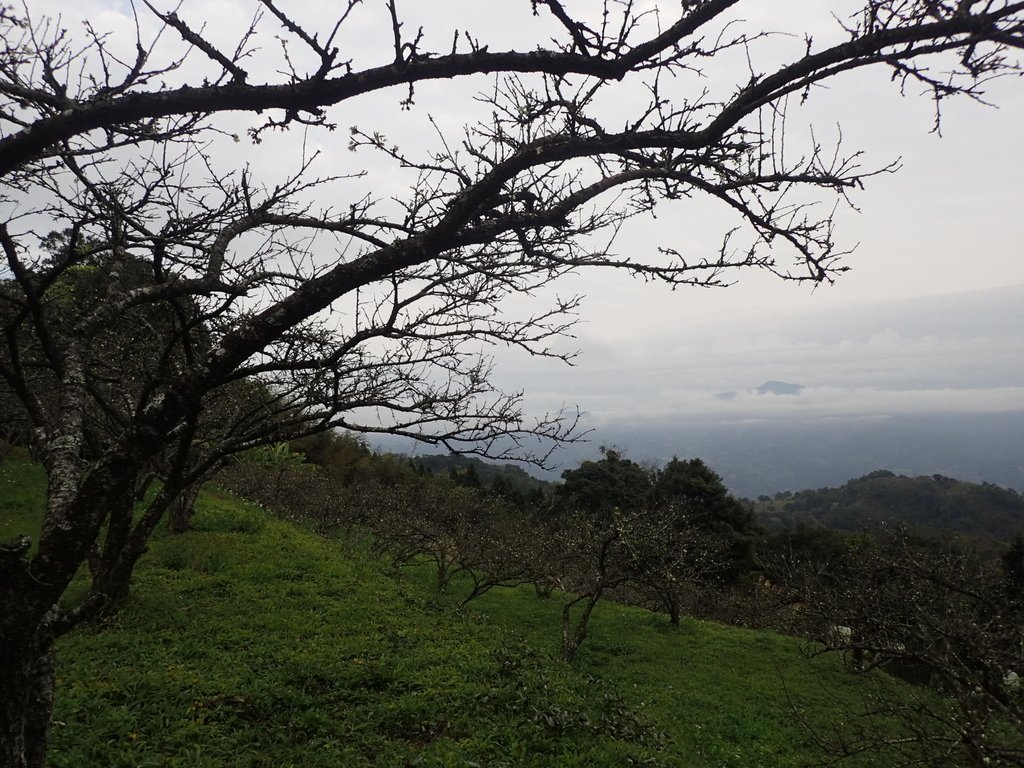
x=543, y=587
x=30, y=616
x=26, y=702
x=26, y=684
x=673, y=613
x=112, y=572
x=573, y=639
x=443, y=575
x=183, y=509
x=30, y=591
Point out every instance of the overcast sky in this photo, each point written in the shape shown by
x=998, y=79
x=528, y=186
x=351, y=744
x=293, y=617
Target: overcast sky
x=951, y=221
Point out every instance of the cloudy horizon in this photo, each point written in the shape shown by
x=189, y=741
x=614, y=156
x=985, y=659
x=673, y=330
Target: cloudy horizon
x=961, y=351
x=933, y=384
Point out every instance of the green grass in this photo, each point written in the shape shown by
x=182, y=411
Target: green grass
x=724, y=696
x=251, y=642
x=22, y=496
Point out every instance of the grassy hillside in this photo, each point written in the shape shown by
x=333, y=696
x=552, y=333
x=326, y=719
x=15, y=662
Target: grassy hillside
x=251, y=642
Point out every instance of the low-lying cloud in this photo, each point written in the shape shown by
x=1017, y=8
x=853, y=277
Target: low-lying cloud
x=959, y=353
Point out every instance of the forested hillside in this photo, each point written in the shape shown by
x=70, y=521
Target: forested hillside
x=472, y=469
x=882, y=497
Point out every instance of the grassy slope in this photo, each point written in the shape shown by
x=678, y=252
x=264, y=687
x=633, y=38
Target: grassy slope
x=254, y=643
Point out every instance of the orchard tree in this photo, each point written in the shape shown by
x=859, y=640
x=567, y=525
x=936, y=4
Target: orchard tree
x=459, y=531
x=584, y=556
x=377, y=306
x=673, y=562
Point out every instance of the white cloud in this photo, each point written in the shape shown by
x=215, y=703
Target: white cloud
x=960, y=353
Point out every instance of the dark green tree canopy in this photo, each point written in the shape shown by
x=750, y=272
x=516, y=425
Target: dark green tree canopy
x=695, y=492
x=603, y=485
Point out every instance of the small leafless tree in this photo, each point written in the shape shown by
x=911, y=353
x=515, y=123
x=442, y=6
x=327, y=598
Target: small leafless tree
x=460, y=531
x=642, y=554
x=373, y=309
x=674, y=562
x=584, y=557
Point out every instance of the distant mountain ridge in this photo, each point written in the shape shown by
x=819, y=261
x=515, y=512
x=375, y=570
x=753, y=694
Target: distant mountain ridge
x=764, y=457
x=768, y=388
x=883, y=498
x=779, y=388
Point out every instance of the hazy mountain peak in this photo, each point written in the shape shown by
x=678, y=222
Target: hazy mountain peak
x=778, y=388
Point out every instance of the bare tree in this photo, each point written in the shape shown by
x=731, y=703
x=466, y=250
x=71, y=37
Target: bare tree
x=640, y=554
x=375, y=309
x=584, y=557
x=674, y=561
x=459, y=531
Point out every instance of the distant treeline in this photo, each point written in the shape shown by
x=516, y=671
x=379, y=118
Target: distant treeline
x=880, y=499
